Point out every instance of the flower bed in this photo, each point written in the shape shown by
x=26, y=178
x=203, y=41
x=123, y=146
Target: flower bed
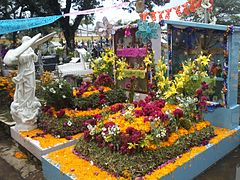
x=91, y=170
x=68, y=122
x=140, y=163
x=137, y=138
x=46, y=140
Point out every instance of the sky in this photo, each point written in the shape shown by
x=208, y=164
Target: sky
x=115, y=15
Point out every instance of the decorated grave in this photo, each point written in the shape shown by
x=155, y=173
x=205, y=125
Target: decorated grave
x=165, y=135
x=149, y=138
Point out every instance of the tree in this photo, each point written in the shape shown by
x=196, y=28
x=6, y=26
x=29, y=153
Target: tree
x=70, y=26
x=226, y=12
x=34, y=8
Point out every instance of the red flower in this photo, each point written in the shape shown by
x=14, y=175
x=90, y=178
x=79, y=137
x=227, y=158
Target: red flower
x=178, y=113
x=138, y=113
x=199, y=92
x=204, y=85
x=97, y=116
x=50, y=111
x=103, y=80
x=60, y=113
x=100, y=89
x=148, y=99
x=117, y=107
x=160, y=103
x=203, y=98
x=86, y=135
x=90, y=121
x=109, y=124
x=45, y=108
x=68, y=137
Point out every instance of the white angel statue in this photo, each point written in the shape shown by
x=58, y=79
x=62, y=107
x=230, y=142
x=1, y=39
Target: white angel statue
x=25, y=106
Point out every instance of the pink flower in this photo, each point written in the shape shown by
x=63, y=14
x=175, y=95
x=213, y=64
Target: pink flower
x=45, y=108
x=127, y=32
x=148, y=99
x=160, y=103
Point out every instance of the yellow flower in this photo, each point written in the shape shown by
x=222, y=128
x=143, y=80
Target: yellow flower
x=147, y=60
x=171, y=91
x=74, y=92
x=203, y=60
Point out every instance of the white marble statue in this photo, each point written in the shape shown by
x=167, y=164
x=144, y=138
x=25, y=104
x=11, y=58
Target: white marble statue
x=25, y=106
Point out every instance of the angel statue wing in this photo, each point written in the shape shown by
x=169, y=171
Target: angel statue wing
x=43, y=40
x=13, y=54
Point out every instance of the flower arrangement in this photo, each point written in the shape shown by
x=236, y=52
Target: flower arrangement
x=139, y=126
x=112, y=158
x=186, y=82
x=139, y=131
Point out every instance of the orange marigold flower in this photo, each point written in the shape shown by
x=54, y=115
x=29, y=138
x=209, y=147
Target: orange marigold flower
x=20, y=155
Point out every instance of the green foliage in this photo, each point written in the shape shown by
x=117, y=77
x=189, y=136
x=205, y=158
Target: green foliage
x=58, y=94
x=140, y=163
x=93, y=101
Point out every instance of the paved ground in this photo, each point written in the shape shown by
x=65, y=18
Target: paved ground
x=12, y=168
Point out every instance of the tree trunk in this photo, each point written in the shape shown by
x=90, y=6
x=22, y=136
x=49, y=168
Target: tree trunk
x=70, y=39
x=69, y=31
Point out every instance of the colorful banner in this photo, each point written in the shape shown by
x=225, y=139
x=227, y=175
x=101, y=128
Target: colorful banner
x=189, y=7
x=92, y=11
x=13, y=25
